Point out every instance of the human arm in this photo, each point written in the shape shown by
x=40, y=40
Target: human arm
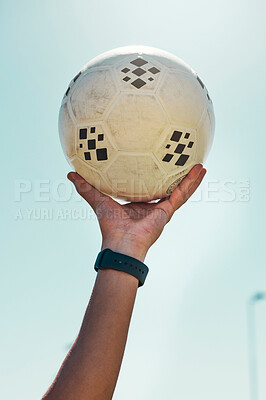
x=91, y=368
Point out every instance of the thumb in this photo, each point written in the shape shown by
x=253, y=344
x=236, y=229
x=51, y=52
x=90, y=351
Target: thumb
x=87, y=191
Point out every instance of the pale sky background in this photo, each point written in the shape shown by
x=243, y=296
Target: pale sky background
x=188, y=336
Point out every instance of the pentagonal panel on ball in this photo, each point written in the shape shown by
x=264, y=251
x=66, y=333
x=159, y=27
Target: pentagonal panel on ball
x=92, y=95
x=93, y=145
x=138, y=73
x=177, y=149
x=135, y=177
x=136, y=122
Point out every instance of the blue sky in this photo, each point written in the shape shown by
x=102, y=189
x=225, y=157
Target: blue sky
x=188, y=336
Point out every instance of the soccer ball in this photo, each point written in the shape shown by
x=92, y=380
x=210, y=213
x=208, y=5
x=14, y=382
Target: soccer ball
x=134, y=121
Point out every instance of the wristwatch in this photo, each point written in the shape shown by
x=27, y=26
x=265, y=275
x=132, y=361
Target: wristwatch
x=108, y=259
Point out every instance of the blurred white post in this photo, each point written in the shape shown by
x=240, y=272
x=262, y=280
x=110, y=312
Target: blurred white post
x=252, y=345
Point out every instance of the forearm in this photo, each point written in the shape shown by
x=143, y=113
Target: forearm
x=92, y=366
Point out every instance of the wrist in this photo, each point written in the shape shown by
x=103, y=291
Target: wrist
x=127, y=246
x=109, y=259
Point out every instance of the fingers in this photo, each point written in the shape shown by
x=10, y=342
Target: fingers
x=169, y=205
x=194, y=186
x=183, y=191
x=185, y=184
x=88, y=192
x=163, y=199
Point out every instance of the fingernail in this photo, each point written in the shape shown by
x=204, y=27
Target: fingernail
x=71, y=176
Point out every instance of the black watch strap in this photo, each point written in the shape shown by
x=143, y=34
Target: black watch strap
x=108, y=259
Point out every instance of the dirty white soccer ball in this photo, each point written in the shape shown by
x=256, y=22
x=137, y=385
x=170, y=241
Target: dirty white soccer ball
x=134, y=121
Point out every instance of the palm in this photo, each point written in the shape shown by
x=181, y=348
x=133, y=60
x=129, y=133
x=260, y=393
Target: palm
x=139, y=212
x=143, y=221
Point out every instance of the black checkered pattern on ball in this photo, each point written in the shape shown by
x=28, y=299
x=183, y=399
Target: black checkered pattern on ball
x=179, y=148
x=145, y=74
x=91, y=141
